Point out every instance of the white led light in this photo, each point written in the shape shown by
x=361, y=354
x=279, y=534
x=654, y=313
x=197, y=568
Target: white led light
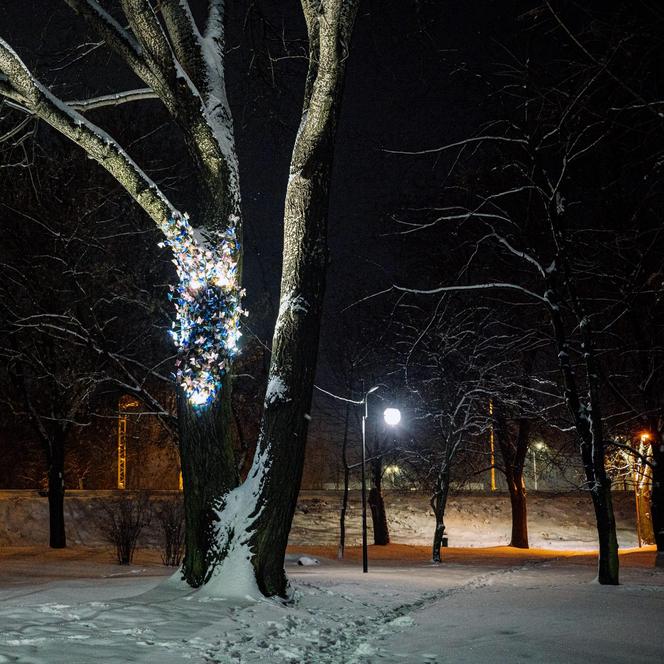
x=392, y=416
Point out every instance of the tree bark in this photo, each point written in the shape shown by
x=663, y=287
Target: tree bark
x=381, y=532
x=208, y=472
x=56, y=492
x=305, y=255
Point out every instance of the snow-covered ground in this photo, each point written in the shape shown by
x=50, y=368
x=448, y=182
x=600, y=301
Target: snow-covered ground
x=75, y=607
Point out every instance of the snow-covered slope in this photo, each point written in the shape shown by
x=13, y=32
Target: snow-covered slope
x=554, y=520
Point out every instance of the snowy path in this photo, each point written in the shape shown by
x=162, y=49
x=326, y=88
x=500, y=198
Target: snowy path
x=538, y=612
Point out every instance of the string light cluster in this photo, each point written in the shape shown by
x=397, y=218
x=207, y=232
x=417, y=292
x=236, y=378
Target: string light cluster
x=207, y=305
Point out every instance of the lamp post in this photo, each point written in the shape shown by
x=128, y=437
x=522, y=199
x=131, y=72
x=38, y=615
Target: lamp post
x=365, y=414
x=538, y=446
x=392, y=417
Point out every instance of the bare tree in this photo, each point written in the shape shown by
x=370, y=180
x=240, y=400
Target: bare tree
x=528, y=198
x=61, y=337
x=183, y=67
x=448, y=368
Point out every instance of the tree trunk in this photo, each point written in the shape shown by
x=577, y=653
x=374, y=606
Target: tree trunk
x=438, y=504
x=588, y=423
x=381, y=531
x=56, y=492
x=279, y=459
x=208, y=472
x=438, y=534
x=608, y=565
x=378, y=517
x=513, y=452
x=517, y=489
x=657, y=494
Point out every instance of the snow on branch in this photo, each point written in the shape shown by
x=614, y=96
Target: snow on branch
x=38, y=99
x=493, y=285
x=459, y=144
x=115, y=99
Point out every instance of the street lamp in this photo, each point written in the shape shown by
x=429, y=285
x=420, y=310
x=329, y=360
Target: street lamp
x=392, y=417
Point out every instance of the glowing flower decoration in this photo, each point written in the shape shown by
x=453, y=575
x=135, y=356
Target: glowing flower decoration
x=207, y=305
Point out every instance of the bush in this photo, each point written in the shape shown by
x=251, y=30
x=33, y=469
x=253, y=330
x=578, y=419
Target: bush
x=122, y=522
x=171, y=520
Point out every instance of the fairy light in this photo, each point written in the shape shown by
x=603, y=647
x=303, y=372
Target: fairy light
x=207, y=306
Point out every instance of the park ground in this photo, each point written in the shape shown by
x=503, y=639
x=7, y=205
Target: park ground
x=480, y=605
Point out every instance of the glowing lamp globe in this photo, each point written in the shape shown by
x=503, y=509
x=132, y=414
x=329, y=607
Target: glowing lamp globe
x=392, y=416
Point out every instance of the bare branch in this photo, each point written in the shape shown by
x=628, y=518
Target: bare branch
x=96, y=142
x=115, y=99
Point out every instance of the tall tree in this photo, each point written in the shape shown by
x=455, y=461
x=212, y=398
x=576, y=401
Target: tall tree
x=183, y=66
x=532, y=194
x=62, y=338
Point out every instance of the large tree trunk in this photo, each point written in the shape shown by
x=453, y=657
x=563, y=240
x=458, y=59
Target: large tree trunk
x=56, y=492
x=381, y=532
x=517, y=489
x=274, y=480
x=208, y=472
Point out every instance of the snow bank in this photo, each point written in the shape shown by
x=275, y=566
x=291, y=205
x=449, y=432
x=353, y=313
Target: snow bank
x=234, y=577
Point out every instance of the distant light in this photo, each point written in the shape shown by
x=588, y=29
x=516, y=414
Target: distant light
x=645, y=436
x=540, y=445
x=392, y=416
x=393, y=470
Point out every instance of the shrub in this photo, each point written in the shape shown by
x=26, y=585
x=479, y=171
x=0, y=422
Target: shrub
x=171, y=520
x=122, y=522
